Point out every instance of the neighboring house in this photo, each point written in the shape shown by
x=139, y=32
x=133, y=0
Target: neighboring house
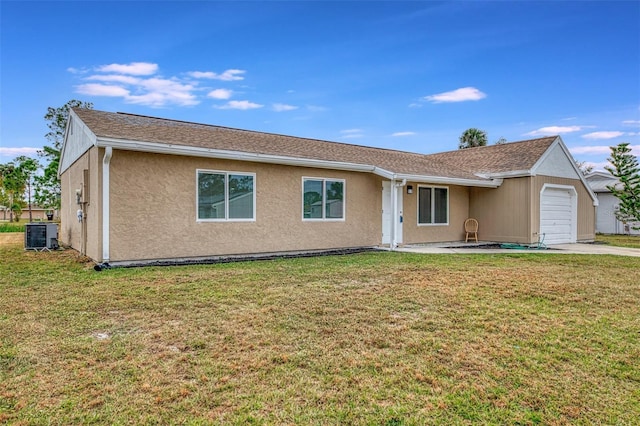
x=149, y=188
x=606, y=220
x=37, y=213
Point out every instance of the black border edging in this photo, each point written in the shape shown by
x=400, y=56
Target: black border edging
x=238, y=258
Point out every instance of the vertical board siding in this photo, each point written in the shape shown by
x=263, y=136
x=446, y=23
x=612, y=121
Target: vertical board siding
x=586, y=210
x=504, y=213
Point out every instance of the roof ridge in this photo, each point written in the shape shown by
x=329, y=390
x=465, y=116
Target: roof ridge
x=496, y=146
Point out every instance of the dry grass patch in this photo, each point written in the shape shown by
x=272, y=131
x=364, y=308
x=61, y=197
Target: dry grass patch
x=377, y=338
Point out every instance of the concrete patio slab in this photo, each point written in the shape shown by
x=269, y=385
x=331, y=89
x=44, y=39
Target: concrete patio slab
x=578, y=248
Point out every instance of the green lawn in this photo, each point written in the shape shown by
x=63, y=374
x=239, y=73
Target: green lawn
x=372, y=339
x=632, y=241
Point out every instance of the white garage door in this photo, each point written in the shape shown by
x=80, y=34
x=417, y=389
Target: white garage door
x=558, y=216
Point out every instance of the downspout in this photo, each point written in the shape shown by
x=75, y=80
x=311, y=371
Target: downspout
x=394, y=209
x=108, y=152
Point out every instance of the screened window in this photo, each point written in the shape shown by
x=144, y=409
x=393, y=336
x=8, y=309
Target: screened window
x=433, y=205
x=226, y=196
x=323, y=199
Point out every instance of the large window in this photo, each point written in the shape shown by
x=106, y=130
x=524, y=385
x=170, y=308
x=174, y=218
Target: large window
x=323, y=199
x=226, y=195
x=433, y=205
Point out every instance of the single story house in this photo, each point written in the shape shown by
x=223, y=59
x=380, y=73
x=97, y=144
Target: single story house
x=138, y=188
x=606, y=220
x=37, y=213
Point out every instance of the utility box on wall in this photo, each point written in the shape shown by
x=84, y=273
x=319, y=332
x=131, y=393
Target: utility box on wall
x=41, y=236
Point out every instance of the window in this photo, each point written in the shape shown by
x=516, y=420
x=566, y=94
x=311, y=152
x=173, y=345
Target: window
x=323, y=199
x=433, y=205
x=226, y=196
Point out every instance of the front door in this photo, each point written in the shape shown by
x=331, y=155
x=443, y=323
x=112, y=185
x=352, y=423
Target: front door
x=387, y=214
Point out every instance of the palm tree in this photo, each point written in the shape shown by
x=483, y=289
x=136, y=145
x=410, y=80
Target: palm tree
x=473, y=137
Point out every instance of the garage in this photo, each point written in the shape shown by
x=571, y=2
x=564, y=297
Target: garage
x=558, y=214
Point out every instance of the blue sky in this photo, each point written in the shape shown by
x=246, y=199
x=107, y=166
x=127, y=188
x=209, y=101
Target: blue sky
x=403, y=75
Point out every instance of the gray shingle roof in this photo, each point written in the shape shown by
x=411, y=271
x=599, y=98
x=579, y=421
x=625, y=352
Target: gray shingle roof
x=460, y=164
x=598, y=181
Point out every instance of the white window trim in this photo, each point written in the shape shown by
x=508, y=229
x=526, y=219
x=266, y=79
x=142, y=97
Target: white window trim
x=324, y=189
x=226, y=196
x=432, y=205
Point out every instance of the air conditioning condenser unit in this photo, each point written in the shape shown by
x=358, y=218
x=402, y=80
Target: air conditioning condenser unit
x=41, y=236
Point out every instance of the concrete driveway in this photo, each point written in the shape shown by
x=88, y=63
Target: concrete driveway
x=578, y=248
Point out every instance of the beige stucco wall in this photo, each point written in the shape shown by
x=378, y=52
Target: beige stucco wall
x=453, y=231
x=586, y=209
x=84, y=237
x=153, y=210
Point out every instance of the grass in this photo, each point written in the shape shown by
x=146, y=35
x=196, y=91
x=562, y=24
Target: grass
x=375, y=338
x=7, y=227
x=631, y=241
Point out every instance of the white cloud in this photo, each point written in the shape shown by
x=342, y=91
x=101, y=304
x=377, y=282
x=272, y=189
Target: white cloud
x=397, y=134
x=95, y=89
x=351, y=133
x=115, y=78
x=228, y=75
x=134, y=68
x=154, y=92
x=283, y=107
x=163, y=92
x=18, y=151
x=600, y=150
x=631, y=122
x=554, y=130
x=603, y=135
x=459, y=95
x=242, y=105
x=74, y=70
x=140, y=83
x=590, y=150
x=220, y=94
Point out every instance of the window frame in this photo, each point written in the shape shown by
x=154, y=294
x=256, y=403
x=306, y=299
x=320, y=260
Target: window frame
x=226, y=196
x=324, y=203
x=433, y=206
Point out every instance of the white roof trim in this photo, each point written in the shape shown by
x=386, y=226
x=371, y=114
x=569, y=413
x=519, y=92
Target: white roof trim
x=558, y=141
x=492, y=183
x=510, y=174
x=71, y=151
x=161, y=148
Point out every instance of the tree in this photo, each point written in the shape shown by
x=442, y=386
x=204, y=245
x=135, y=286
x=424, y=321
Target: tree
x=472, y=137
x=501, y=141
x=5, y=201
x=47, y=188
x=16, y=179
x=624, y=167
x=584, y=168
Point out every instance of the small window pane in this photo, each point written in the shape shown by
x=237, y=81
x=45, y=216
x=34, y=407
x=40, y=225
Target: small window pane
x=312, y=199
x=211, y=204
x=440, y=205
x=240, y=197
x=424, y=206
x=335, y=200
